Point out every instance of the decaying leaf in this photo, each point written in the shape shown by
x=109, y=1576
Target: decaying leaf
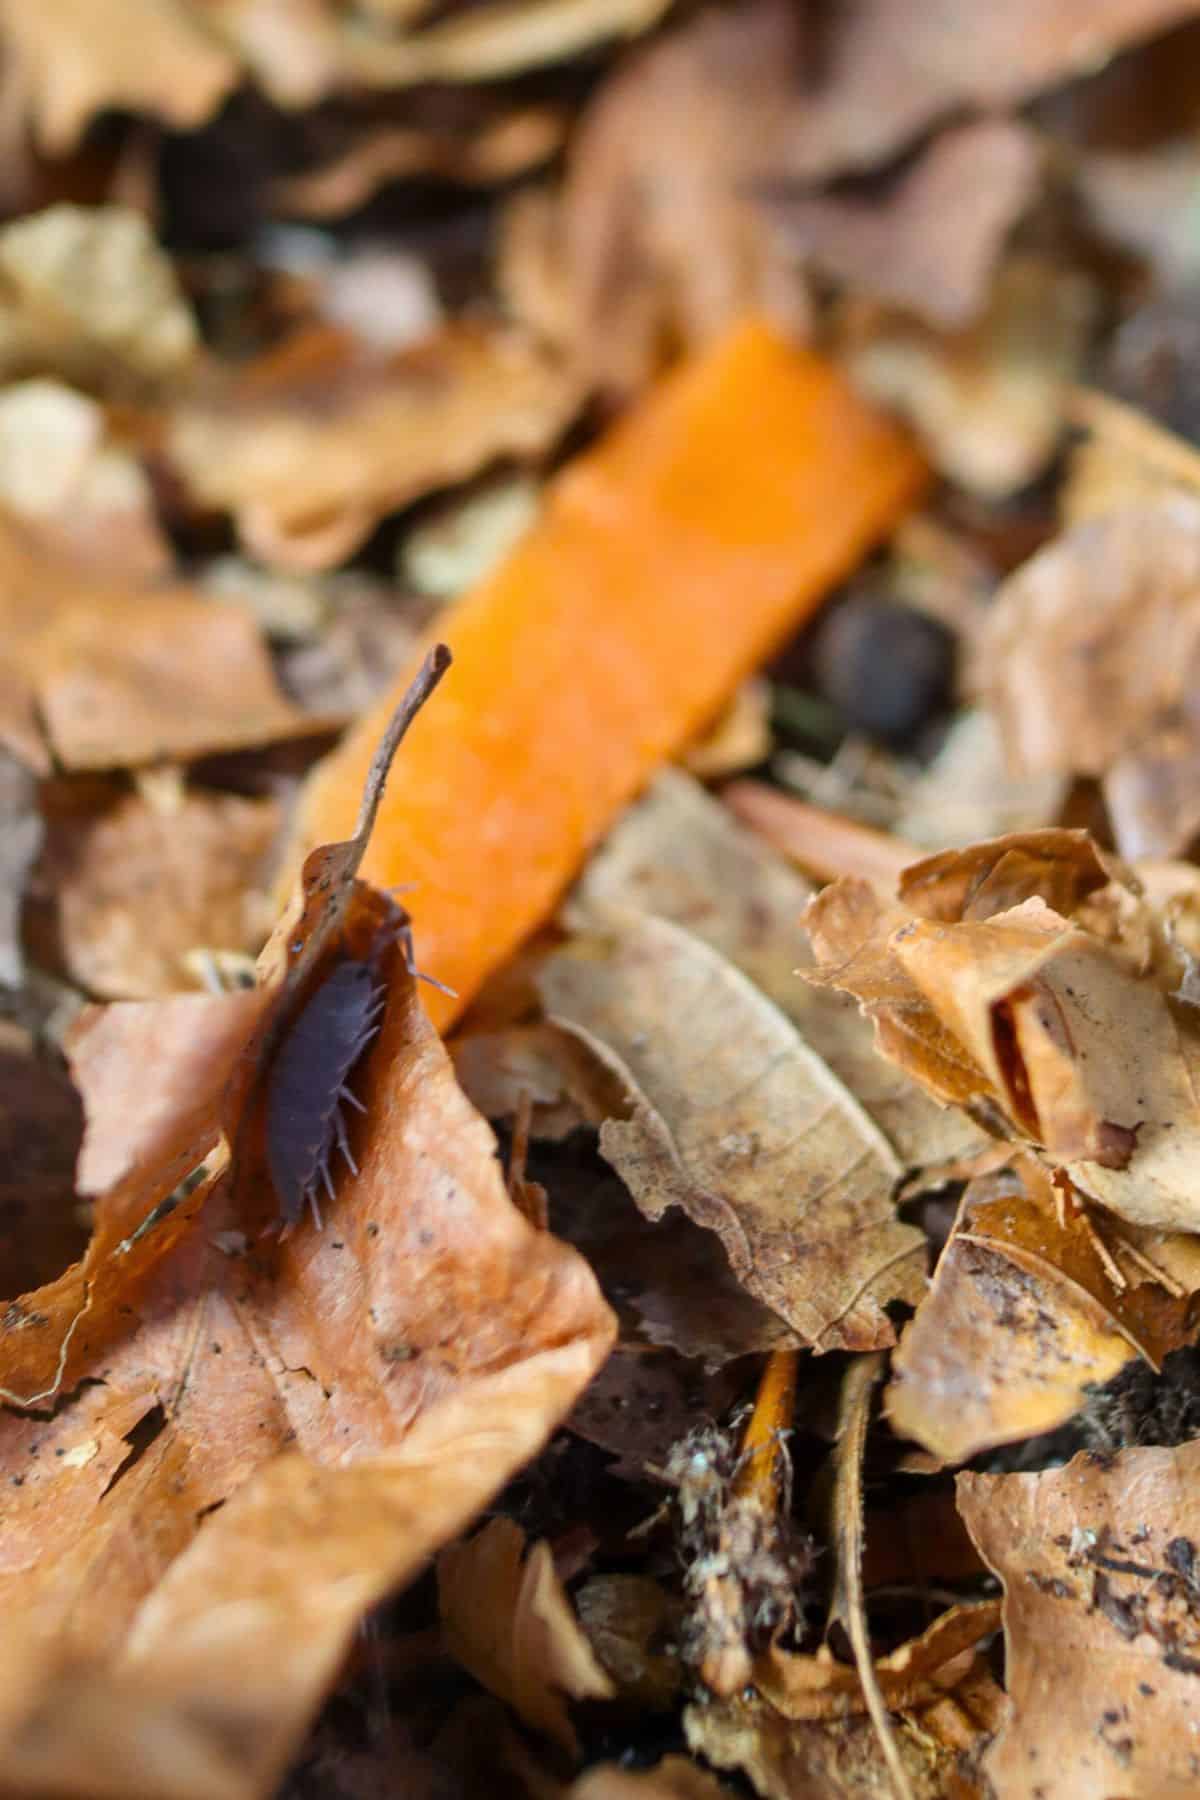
x=139, y=884
x=1088, y=662
x=506, y=1618
x=1032, y=1303
x=665, y=240
x=932, y=243
x=997, y=1002
x=311, y=447
x=632, y=1624
x=680, y=854
x=1101, y=1622
x=312, y=1415
x=712, y=1101
x=104, y=672
x=989, y=401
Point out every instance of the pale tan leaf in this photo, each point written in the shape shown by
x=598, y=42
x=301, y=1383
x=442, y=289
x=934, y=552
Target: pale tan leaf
x=1100, y=1621
x=723, y=1109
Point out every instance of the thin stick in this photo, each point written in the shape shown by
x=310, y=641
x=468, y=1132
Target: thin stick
x=848, y=1607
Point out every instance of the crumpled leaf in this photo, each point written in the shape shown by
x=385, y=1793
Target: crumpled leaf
x=680, y=854
x=1044, y=1028
x=1101, y=1622
x=506, y=1618
x=931, y=243
x=405, y=1361
x=988, y=402
x=664, y=239
x=789, y=1759
x=102, y=672
x=714, y=1103
x=312, y=446
x=139, y=884
x=889, y=68
x=1088, y=660
x=819, y=1687
x=89, y=294
x=1031, y=1304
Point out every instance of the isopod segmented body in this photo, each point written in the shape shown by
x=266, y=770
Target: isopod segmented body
x=307, y=1085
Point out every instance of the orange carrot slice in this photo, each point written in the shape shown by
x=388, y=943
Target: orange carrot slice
x=667, y=563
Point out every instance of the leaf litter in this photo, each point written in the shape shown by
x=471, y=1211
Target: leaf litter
x=842, y=1117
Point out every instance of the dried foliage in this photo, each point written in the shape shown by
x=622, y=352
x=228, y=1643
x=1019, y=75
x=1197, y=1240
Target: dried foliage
x=569, y=1410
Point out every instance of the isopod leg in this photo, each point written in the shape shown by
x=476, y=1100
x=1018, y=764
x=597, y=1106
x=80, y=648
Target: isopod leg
x=345, y=1093
x=343, y=1141
x=316, y=1210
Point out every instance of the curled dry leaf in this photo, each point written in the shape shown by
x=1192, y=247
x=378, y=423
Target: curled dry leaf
x=819, y=1687
x=404, y=1362
x=1101, y=1623
x=713, y=1102
x=680, y=854
x=103, y=672
x=788, y=1759
x=930, y=245
x=989, y=401
x=312, y=446
x=1032, y=1303
x=1088, y=661
x=665, y=240
x=139, y=885
x=88, y=293
x=1045, y=1028
x=506, y=1618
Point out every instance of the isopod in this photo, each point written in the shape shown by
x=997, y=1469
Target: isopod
x=304, y=1121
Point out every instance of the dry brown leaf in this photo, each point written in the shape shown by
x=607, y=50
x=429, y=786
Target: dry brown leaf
x=138, y=885
x=969, y=791
x=502, y=149
x=103, y=672
x=76, y=58
x=1101, y=1621
x=506, y=1618
x=788, y=1759
x=679, y=854
x=642, y=1399
x=89, y=294
x=665, y=241
x=407, y=1360
x=714, y=1103
x=819, y=1687
x=312, y=446
x=1088, y=662
x=988, y=402
x=1030, y=1306
x=75, y=489
x=1124, y=459
x=931, y=243
x=886, y=69
x=504, y=38
x=1053, y=1033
